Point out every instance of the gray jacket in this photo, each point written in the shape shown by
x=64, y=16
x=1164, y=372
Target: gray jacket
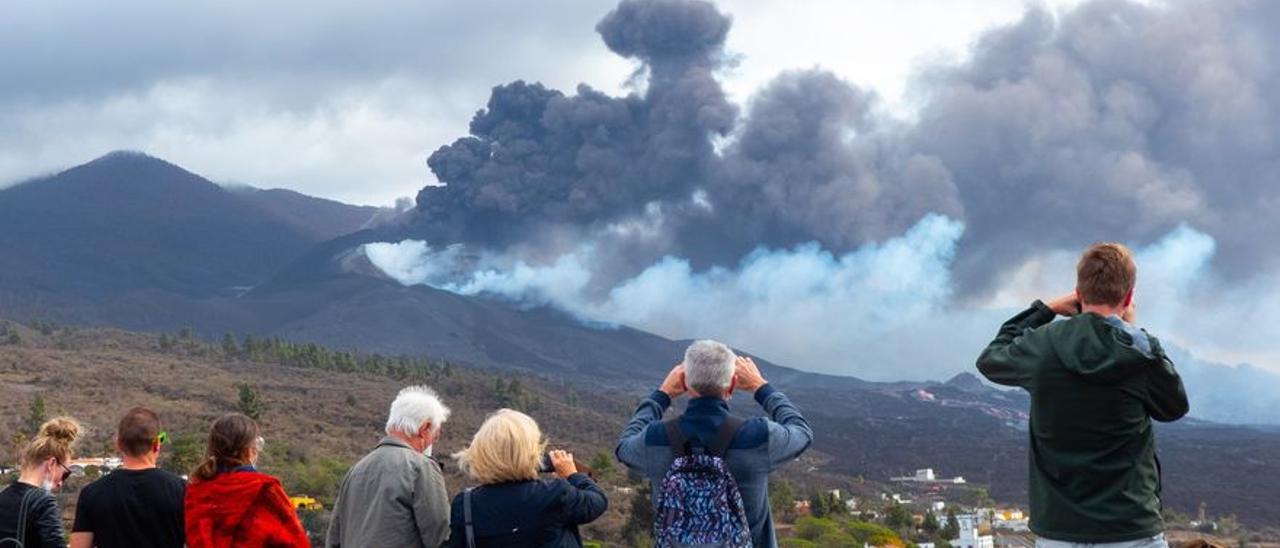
x=761, y=445
x=393, y=497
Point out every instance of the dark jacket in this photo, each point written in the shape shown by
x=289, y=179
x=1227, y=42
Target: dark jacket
x=241, y=509
x=1095, y=385
x=761, y=445
x=525, y=514
x=42, y=522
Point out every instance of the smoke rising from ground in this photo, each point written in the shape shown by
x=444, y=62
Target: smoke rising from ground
x=885, y=311
x=816, y=229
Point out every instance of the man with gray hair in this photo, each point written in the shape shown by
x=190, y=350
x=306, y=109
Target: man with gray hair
x=710, y=374
x=395, y=495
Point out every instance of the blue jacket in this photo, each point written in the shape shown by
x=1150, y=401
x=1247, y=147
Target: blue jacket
x=758, y=448
x=523, y=514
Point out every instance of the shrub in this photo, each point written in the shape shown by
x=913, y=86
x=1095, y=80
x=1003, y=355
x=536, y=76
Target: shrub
x=811, y=528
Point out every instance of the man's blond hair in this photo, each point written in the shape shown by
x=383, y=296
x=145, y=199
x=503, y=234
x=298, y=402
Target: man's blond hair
x=1106, y=274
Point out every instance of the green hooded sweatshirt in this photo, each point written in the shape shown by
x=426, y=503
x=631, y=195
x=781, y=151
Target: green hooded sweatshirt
x=1095, y=384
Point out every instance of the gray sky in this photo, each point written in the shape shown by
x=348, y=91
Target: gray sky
x=346, y=100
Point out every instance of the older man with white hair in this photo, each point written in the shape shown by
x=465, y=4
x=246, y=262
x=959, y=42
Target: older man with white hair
x=711, y=373
x=395, y=495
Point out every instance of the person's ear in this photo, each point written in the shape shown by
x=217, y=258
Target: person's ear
x=1079, y=299
x=1128, y=299
x=733, y=383
x=120, y=446
x=424, y=432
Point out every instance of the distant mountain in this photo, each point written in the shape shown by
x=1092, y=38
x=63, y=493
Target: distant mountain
x=317, y=218
x=132, y=241
x=126, y=222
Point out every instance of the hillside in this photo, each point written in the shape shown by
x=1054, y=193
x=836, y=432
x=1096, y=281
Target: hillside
x=322, y=417
x=127, y=222
x=317, y=218
x=317, y=422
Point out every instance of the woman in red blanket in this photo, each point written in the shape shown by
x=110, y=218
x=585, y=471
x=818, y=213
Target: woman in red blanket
x=229, y=503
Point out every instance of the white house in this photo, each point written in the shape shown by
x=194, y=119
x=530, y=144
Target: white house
x=970, y=537
x=926, y=475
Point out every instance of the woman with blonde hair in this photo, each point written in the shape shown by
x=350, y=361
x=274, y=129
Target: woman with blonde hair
x=229, y=502
x=512, y=506
x=29, y=516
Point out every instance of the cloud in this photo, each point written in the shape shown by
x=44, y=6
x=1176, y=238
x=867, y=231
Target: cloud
x=340, y=101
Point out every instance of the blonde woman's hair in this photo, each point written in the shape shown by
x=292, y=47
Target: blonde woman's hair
x=508, y=447
x=54, y=440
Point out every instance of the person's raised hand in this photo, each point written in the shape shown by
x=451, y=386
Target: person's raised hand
x=1066, y=305
x=673, y=385
x=747, y=374
x=562, y=461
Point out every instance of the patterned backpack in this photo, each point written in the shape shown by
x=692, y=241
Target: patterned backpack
x=700, y=505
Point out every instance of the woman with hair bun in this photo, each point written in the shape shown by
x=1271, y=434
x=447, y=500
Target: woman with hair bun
x=29, y=516
x=230, y=503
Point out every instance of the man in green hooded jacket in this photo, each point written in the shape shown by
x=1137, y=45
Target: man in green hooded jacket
x=1096, y=382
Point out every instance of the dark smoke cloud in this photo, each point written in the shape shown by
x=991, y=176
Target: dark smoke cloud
x=1113, y=121
x=537, y=158
x=812, y=162
x=806, y=228
x=1118, y=121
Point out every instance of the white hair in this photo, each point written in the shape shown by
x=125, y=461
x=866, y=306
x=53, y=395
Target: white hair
x=708, y=367
x=413, y=407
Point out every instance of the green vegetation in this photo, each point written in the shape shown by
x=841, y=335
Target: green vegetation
x=250, y=404
x=36, y=416
x=782, y=500
x=952, y=528
x=314, y=356
x=843, y=531
x=185, y=451
x=9, y=334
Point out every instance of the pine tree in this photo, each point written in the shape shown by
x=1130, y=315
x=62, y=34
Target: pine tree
x=602, y=463
x=36, y=416
x=819, y=507
x=952, y=530
x=230, y=348
x=250, y=404
x=930, y=525
x=639, y=524
x=782, y=499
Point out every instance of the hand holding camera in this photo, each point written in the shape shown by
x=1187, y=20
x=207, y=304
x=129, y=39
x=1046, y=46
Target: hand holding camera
x=563, y=464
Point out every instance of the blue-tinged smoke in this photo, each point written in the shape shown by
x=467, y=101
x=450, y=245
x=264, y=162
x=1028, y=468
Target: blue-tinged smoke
x=884, y=311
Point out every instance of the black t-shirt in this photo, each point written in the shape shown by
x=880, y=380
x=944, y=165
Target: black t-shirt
x=132, y=508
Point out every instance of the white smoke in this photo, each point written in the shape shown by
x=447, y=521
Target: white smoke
x=885, y=311
x=803, y=306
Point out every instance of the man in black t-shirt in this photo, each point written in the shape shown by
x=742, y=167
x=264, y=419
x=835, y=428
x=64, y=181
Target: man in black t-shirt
x=137, y=505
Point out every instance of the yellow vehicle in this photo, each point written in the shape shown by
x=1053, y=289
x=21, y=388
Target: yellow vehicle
x=305, y=503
